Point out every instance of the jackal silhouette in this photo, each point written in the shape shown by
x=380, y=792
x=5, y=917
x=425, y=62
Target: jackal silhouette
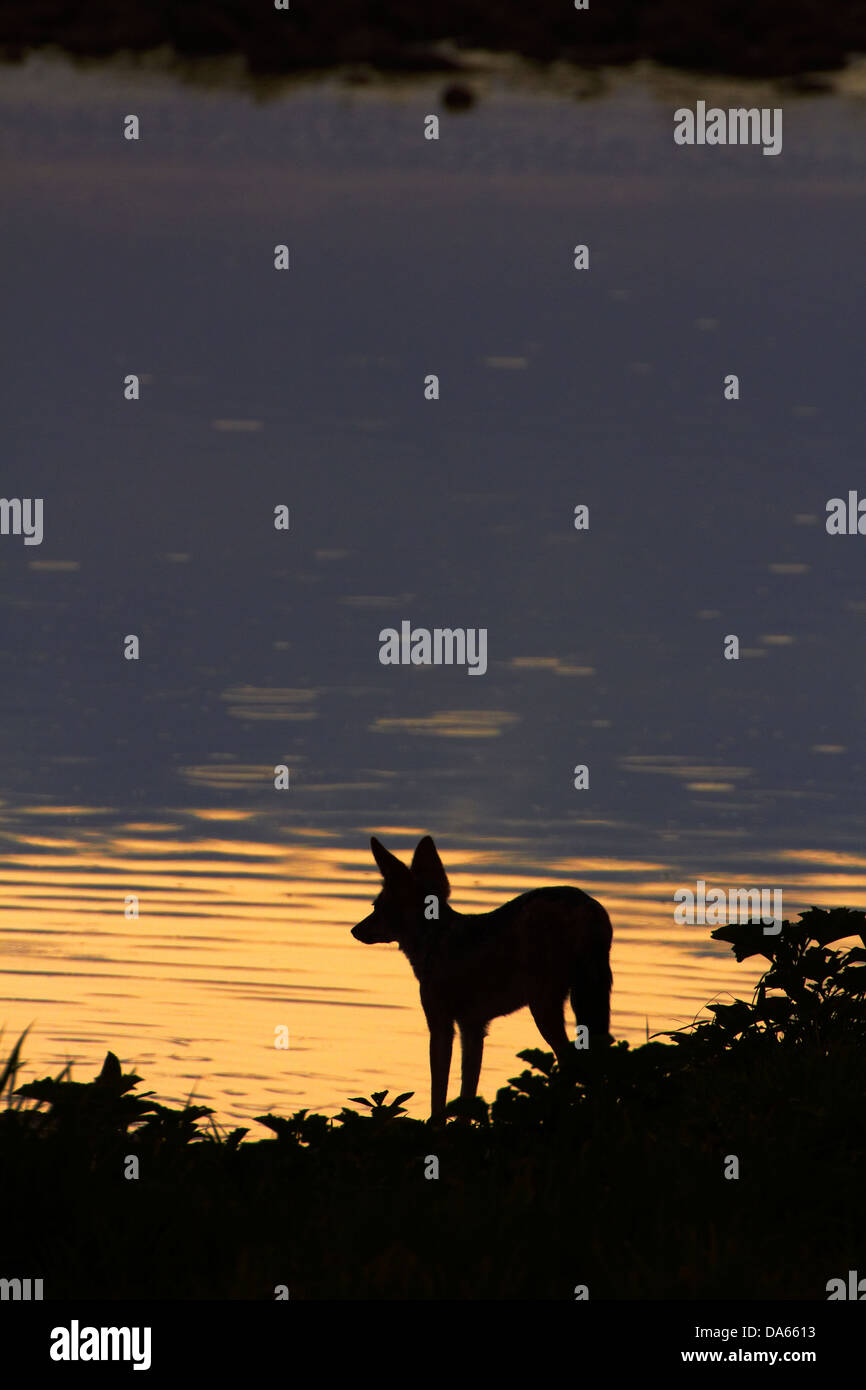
x=472, y=967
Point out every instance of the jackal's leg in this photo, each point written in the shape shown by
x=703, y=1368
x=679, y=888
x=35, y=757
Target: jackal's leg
x=551, y=1026
x=472, y=1043
x=441, y=1040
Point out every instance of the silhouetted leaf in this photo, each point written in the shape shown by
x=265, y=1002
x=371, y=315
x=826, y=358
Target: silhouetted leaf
x=111, y=1074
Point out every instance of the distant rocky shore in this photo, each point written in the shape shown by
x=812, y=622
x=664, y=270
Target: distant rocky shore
x=758, y=38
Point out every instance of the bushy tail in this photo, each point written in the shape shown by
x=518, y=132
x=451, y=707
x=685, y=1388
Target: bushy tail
x=593, y=979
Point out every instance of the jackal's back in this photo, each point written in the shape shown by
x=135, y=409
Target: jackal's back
x=527, y=950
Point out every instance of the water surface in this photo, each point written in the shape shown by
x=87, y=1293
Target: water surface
x=260, y=647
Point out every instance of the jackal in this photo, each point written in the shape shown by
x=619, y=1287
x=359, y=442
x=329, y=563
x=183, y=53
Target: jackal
x=472, y=967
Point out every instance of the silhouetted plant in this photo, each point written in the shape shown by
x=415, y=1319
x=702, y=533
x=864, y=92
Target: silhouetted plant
x=809, y=993
x=10, y=1071
x=474, y=1110
x=380, y=1113
x=300, y=1128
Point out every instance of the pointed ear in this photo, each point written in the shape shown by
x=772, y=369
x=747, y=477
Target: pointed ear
x=390, y=867
x=428, y=869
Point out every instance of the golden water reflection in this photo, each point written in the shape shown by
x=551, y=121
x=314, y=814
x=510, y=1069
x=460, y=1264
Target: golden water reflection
x=237, y=937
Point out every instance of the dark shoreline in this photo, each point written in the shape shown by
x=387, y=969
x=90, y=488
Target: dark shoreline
x=725, y=1163
x=759, y=39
